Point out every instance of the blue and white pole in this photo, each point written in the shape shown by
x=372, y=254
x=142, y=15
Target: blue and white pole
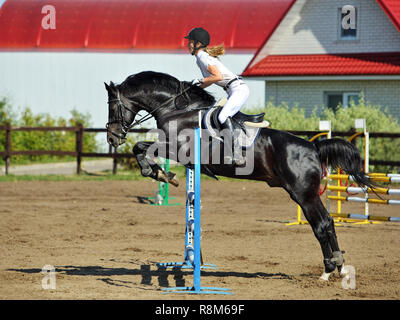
x=193, y=231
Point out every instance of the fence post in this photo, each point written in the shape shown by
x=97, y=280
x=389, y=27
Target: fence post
x=8, y=146
x=79, y=143
x=115, y=162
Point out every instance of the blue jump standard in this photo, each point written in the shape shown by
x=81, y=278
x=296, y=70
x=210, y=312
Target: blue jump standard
x=192, y=235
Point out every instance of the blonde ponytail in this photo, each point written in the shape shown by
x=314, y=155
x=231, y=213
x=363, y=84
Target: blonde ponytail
x=215, y=51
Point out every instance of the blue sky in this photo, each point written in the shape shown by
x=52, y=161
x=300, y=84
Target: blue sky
x=1, y=2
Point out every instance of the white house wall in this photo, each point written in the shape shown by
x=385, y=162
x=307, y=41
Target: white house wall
x=310, y=94
x=313, y=29
x=57, y=82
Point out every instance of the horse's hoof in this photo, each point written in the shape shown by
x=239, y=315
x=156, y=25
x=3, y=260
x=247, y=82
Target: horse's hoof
x=325, y=276
x=173, y=179
x=161, y=176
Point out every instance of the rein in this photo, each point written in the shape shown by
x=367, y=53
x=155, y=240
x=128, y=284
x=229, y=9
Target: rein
x=120, y=119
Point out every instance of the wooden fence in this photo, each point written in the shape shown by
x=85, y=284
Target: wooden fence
x=79, y=154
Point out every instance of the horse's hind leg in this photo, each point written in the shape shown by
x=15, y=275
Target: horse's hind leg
x=337, y=253
x=337, y=256
x=323, y=227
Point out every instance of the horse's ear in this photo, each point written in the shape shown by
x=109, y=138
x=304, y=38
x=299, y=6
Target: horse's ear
x=112, y=85
x=107, y=87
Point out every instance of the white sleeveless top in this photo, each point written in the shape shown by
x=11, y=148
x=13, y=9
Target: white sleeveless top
x=203, y=60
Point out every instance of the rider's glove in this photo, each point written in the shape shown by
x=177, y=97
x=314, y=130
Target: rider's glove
x=197, y=82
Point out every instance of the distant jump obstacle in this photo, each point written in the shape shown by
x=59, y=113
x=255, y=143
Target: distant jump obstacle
x=350, y=190
x=193, y=256
x=349, y=217
x=162, y=197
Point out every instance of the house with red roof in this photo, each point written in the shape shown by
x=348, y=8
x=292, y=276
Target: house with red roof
x=323, y=53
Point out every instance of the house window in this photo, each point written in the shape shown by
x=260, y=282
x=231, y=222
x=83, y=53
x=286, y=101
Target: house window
x=348, y=16
x=335, y=100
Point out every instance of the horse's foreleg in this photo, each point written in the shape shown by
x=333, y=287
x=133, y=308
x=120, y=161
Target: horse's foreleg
x=148, y=167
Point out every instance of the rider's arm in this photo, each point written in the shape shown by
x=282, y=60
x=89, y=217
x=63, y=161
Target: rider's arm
x=215, y=76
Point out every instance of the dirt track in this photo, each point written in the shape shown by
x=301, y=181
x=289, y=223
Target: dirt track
x=104, y=244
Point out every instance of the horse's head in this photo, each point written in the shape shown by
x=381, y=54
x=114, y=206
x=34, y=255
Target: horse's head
x=121, y=114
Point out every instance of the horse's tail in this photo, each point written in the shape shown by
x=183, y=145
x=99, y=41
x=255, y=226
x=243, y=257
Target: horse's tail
x=338, y=153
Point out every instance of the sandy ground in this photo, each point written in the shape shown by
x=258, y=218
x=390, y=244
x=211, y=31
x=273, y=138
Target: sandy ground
x=104, y=240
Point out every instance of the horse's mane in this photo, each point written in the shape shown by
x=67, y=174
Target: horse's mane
x=161, y=81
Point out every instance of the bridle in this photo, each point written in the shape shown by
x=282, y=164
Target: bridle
x=120, y=117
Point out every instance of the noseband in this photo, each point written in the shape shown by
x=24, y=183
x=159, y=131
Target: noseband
x=120, y=117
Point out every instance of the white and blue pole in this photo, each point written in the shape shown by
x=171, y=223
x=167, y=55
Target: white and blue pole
x=193, y=234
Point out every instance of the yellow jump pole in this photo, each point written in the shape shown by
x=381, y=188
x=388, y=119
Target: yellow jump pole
x=372, y=177
x=361, y=124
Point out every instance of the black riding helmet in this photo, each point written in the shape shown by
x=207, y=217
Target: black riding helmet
x=199, y=35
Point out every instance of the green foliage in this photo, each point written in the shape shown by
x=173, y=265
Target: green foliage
x=377, y=120
x=43, y=140
x=128, y=163
x=5, y=117
x=284, y=118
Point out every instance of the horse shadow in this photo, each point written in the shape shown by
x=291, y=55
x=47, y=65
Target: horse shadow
x=149, y=272
x=144, y=200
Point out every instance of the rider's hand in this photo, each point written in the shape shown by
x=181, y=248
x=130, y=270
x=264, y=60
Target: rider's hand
x=197, y=82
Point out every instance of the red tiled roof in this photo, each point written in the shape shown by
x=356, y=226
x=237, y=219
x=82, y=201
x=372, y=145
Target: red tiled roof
x=392, y=9
x=137, y=24
x=382, y=63
x=333, y=64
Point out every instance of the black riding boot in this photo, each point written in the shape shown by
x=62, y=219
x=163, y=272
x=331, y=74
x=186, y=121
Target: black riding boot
x=236, y=160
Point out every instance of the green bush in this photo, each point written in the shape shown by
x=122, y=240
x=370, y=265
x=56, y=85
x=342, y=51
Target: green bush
x=43, y=140
x=127, y=147
x=128, y=163
x=284, y=118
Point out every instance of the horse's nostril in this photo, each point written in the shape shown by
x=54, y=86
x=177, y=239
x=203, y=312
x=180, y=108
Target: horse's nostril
x=110, y=140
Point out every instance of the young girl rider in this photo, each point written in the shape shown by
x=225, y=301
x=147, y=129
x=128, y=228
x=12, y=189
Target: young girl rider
x=214, y=71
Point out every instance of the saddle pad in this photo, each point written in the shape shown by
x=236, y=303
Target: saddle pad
x=245, y=139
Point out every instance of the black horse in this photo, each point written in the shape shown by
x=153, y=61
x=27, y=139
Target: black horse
x=280, y=158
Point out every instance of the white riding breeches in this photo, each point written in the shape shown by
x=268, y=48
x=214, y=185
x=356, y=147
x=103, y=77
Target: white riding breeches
x=238, y=92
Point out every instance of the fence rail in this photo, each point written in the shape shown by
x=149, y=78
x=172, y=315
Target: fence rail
x=79, y=154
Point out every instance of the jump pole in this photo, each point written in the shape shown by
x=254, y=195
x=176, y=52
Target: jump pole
x=382, y=177
x=193, y=230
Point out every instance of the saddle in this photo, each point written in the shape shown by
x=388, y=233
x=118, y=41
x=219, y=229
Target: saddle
x=248, y=125
x=240, y=120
